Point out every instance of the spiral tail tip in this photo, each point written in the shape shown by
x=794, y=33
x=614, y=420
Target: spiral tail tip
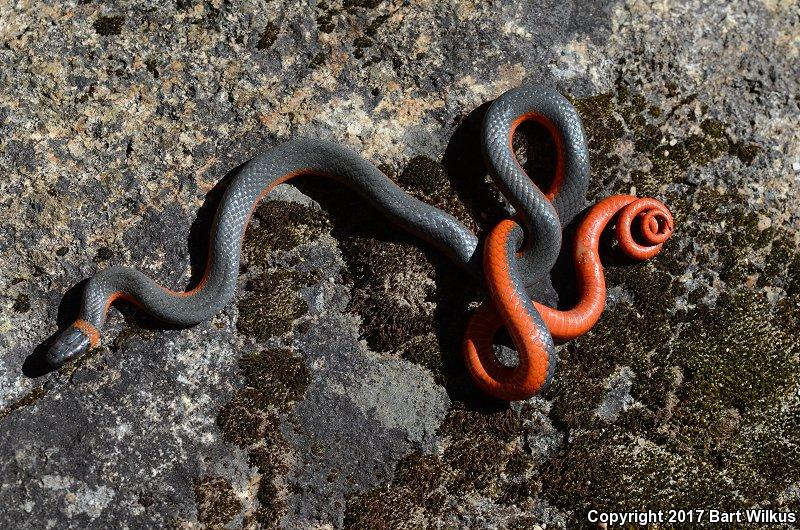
x=656, y=225
x=70, y=344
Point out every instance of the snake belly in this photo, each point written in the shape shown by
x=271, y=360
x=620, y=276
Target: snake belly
x=540, y=214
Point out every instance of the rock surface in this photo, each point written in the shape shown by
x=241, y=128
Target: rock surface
x=330, y=392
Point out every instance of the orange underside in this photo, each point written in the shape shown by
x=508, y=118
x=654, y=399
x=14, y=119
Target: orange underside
x=89, y=330
x=505, y=309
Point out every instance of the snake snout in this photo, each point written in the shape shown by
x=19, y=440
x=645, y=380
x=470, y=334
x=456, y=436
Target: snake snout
x=71, y=343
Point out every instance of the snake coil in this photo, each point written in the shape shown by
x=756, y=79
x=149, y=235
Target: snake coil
x=506, y=266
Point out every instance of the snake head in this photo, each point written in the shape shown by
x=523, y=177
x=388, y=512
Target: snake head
x=70, y=343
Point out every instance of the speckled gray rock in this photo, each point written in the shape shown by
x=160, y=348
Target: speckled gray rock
x=116, y=123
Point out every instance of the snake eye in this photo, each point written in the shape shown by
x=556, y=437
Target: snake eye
x=71, y=343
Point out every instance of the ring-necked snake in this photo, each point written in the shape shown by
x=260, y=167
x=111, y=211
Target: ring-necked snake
x=517, y=253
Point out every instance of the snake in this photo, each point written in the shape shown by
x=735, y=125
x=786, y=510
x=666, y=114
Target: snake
x=517, y=254
x=535, y=336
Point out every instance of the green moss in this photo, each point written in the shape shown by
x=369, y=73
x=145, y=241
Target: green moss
x=732, y=357
x=426, y=350
x=415, y=490
x=603, y=130
x=523, y=522
x=427, y=179
x=481, y=455
x=388, y=320
x=281, y=225
x=31, y=398
x=216, y=501
x=273, y=381
x=609, y=117
x=609, y=469
x=412, y=301
x=782, y=267
x=402, y=310
x=764, y=453
x=108, y=26
x=423, y=174
x=242, y=424
x=271, y=305
x=268, y=36
x=695, y=374
x=280, y=377
x=709, y=422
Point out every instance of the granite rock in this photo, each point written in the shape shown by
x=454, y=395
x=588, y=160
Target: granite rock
x=330, y=392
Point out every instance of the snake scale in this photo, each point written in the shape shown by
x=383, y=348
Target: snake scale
x=517, y=253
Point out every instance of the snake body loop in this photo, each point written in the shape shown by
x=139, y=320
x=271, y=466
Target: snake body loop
x=508, y=267
x=543, y=213
x=510, y=306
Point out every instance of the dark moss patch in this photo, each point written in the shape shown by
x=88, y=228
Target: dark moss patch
x=281, y=225
x=366, y=4
x=103, y=254
x=640, y=472
x=734, y=356
x=27, y=400
x=216, y=501
x=688, y=442
x=416, y=490
x=108, y=26
x=406, y=304
x=482, y=455
x=610, y=117
x=362, y=42
x=603, y=130
x=745, y=152
x=152, y=66
x=428, y=180
x=280, y=377
x=389, y=320
x=271, y=305
x=412, y=301
x=22, y=304
x=425, y=175
x=317, y=61
x=273, y=381
x=268, y=36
